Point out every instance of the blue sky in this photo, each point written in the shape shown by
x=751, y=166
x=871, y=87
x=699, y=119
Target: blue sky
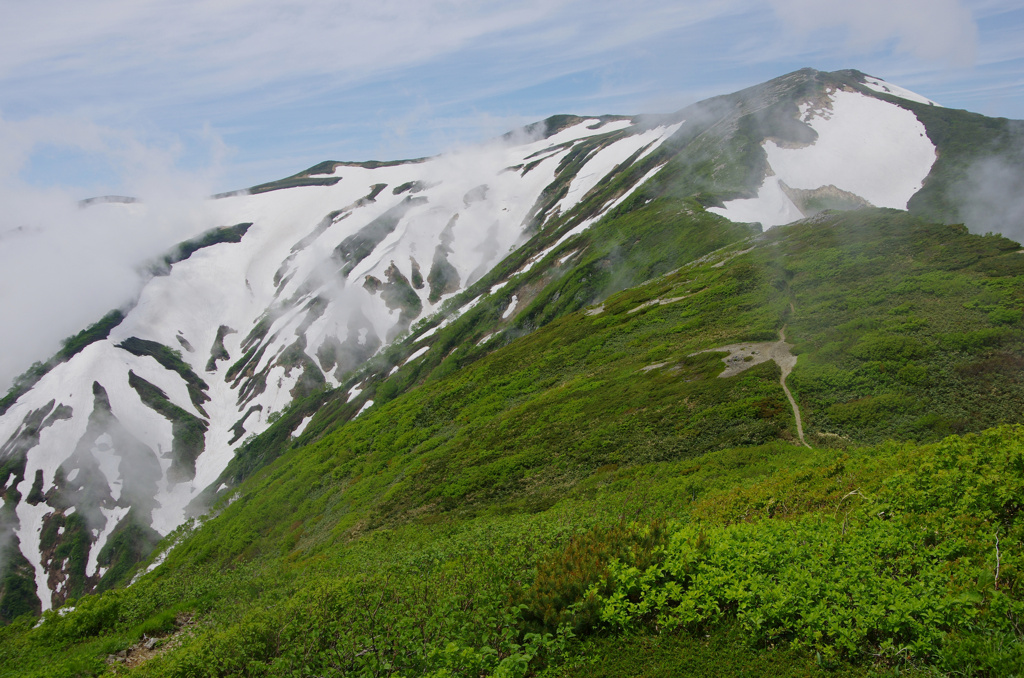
x=172, y=100
x=234, y=92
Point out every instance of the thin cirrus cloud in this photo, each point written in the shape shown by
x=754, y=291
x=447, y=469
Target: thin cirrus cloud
x=265, y=74
x=264, y=66
x=169, y=52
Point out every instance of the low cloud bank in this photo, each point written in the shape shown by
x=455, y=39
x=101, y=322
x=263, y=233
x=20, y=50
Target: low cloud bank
x=992, y=197
x=63, y=265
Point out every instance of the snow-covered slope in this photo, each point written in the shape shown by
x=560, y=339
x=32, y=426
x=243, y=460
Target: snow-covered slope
x=879, y=85
x=867, y=151
x=323, y=277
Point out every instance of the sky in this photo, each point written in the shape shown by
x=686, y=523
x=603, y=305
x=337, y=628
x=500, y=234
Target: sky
x=172, y=100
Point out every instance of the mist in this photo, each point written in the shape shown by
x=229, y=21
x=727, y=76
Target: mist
x=63, y=265
x=991, y=198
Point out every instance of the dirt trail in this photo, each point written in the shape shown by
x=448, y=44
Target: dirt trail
x=744, y=356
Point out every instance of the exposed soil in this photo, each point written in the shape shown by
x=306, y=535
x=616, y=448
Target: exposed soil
x=744, y=356
x=147, y=648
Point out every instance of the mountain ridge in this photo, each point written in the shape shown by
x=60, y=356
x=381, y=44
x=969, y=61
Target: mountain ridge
x=613, y=208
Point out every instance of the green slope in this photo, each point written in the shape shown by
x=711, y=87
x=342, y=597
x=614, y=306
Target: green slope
x=715, y=155
x=553, y=503
x=571, y=487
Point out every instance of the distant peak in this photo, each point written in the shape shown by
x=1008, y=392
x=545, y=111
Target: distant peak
x=123, y=199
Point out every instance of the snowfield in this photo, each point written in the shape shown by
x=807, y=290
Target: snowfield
x=884, y=87
x=865, y=146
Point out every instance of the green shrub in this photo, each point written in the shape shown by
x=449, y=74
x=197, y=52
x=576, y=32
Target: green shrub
x=559, y=593
x=888, y=347
x=1006, y=316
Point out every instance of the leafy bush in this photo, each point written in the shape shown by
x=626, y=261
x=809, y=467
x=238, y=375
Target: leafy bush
x=561, y=591
x=914, y=574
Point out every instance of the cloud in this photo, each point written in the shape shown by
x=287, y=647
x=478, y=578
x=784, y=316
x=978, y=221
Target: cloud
x=934, y=30
x=191, y=48
x=272, y=76
x=266, y=73
x=202, y=57
x=63, y=266
x=991, y=197
x=185, y=62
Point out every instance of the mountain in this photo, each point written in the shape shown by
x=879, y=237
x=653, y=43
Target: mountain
x=143, y=411
x=506, y=345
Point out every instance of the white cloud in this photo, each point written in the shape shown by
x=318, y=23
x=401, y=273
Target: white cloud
x=175, y=52
x=61, y=266
x=196, y=47
x=942, y=30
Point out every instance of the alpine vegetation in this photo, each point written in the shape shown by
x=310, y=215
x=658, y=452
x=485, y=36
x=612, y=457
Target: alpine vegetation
x=731, y=390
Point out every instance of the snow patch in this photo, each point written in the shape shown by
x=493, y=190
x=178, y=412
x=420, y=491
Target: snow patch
x=608, y=158
x=469, y=306
x=869, y=147
x=511, y=307
x=431, y=332
x=584, y=225
x=157, y=561
x=367, y=405
x=161, y=557
x=865, y=146
x=113, y=517
x=416, y=354
x=302, y=426
x=535, y=259
x=30, y=521
x=880, y=85
x=771, y=207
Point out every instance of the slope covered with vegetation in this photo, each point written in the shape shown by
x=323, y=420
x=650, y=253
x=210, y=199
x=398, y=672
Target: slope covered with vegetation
x=592, y=497
x=715, y=155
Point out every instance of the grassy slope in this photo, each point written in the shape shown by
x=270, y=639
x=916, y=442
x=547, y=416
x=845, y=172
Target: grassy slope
x=426, y=521
x=907, y=337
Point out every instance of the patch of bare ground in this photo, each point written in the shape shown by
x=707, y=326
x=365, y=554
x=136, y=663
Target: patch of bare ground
x=744, y=356
x=149, y=647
